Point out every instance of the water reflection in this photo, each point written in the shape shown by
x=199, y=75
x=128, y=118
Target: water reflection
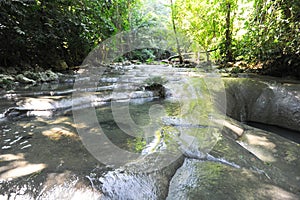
x=45, y=155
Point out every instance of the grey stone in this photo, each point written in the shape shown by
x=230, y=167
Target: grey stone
x=48, y=76
x=266, y=102
x=211, y=180
x=22, y=79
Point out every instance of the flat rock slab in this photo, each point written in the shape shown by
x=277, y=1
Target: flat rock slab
x=258, y=165
x=211, y=180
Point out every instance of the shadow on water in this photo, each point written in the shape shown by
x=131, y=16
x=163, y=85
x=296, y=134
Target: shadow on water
x=42, y=154
x=44, y=157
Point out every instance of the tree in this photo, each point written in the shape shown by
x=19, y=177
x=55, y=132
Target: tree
x=173, y=16
x=273, y=35
x=204, y=23
x=44, y=33
x=228, y=34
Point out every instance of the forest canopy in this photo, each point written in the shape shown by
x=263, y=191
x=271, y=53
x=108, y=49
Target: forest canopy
x=249, y=30
x=44, y=33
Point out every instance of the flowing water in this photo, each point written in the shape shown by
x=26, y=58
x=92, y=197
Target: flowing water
x=43, y=156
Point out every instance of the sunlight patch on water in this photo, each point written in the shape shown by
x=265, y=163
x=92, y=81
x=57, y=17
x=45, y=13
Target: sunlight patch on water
x=11, y=157
x=57, y=133
x=18, y=169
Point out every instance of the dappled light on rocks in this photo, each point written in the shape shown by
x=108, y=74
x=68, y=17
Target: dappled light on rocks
x=187, y=148
x=17, y=169
x=149, y=99
x=57, y=133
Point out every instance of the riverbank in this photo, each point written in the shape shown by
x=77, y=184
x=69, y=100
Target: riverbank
x=266, y=68
x=13, y=76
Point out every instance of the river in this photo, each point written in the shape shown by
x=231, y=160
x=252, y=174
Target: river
x=124, y=136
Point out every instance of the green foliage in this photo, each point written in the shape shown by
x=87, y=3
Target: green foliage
x=200, y=22
x=250, y=30
x=147, y=55
x=149, y=13
x=207, y=25
x=273, y=30
x=137, y=144
x=142, y=55
x=43, y=33
x=272, y=37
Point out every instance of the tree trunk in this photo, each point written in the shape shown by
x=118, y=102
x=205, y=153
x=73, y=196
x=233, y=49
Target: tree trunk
x=228, y=39
x=175, y=32
x=207, y=56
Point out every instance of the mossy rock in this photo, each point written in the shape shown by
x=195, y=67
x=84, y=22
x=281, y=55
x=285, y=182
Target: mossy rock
x=155, y=80
x=22, y=79
x=7, y=81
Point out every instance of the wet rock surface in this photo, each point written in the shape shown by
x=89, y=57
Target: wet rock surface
x=137, y=181
x=263, y=166
x=265, y=101
x=216, y=157
x=211, y=180
x=12, y=80
x=44, y=159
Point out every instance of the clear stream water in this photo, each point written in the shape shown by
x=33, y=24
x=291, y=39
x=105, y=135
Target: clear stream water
x=43, y=157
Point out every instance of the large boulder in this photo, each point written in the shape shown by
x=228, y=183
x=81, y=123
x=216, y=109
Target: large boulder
x=260, y=165
x=211, y=180
x=263, y=101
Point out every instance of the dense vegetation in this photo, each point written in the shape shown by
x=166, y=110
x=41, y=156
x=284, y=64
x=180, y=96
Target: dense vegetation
x=45, y=33
x=260, y=32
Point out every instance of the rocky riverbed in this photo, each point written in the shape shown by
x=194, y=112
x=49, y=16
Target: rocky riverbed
x=193, y=151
